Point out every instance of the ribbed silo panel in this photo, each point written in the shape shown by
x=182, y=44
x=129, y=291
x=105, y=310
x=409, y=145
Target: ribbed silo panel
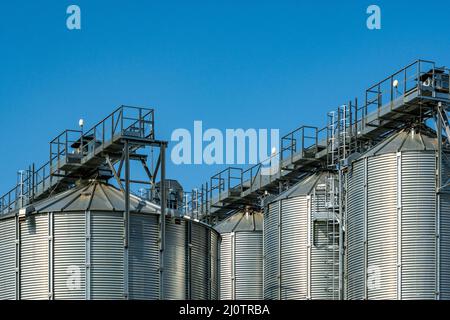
x=69, y=249
x=418, y=225
x=294, y=248
x=226, y=267
x=248, y=265
x=175, y=261
x=34, y=284
x=355, y=232
x=144, y=257
x=445, y=247
x=444, y=257
x=271, y=252
x=107, y=256
x=382, y=227
x=7, y=259
x=214, y=265
x=199, y=262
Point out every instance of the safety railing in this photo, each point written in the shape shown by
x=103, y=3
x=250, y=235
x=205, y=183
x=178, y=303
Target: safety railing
x=226, y=180
x=421, y=77
x=8, y=201
x=302, y=141
x=65, y=144
x=125, y=121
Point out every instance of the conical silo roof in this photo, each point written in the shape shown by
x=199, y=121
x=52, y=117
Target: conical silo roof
x=412, y=139
x=304, y=187
x=95, y=196
x=241, y=221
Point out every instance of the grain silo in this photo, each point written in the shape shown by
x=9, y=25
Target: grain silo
x=398, y=232
x=241, y=259
x=301, y=241
x=72, y=246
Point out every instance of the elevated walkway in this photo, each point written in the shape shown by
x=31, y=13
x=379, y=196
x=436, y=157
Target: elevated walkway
x=410, y=95
x=76, y=155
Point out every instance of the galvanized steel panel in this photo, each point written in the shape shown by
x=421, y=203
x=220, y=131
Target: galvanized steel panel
x=69, y=244
x=214, y=264
x=418, y=225
x=175, y=260
x=7, y=259
x=409, y=207
x=445, y=247
x=226, y=267
x=271, y=252
x=34, y=268
x=294, y=241
x=382, y=227
x=107, y=252
x=143, y=257
x=199, y=262
x=248, y=265
x=355, y=234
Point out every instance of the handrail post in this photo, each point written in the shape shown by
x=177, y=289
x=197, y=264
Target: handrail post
x=303, y=142
x=141, y=131
x=392, y=90
x=112, y=126
x=418, y=78
x=406, y=81
x=380, y=100
x=121, y=120
x=317, y=140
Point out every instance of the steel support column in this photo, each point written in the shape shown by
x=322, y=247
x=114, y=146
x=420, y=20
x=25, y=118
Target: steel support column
x=162, y=216
x=126, y=219
x=438, y=199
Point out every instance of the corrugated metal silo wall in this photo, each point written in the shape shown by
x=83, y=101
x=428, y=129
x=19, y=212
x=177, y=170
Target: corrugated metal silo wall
x=287, y=278
x=418, y=249
x=355, y=232
x=107, y=256
x=248, y=265
x=401, y=228
x=445, y=247
x=8, y=258
x=382, y=227
x=144, y=257
x=175, y=275
x=226, y=268
x=445, y=233
x=294, y=242
x=214, y=264
x=199, y=262
x=34, y=244
x=69, y=255
x=271, y=254
x=80, y=255
x=241, y=257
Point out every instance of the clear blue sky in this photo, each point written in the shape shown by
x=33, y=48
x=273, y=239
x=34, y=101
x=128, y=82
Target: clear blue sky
x=231, y=64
